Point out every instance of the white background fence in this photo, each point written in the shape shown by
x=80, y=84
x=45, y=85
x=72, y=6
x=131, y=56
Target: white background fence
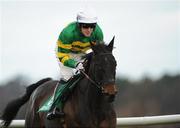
x=129, y=121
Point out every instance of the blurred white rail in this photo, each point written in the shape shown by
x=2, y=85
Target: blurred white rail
x=149, y=120
x=16, y=124
x=128, y=121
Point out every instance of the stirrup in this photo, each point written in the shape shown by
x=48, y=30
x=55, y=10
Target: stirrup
x=56, y=113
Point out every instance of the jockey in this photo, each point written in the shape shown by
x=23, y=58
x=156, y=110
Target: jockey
x=73, y=43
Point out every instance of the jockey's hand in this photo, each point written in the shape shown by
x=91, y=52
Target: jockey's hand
x=79, y=66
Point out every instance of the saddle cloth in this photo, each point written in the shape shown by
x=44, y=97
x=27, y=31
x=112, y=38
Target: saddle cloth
x=60, y=91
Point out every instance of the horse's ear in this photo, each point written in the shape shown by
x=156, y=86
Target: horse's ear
x=111, y=44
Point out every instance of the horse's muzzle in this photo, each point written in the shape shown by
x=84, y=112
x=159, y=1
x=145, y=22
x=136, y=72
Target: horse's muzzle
x=110, y=98
x=109, y=91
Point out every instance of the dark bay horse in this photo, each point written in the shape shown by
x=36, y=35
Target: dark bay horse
x=90, y=105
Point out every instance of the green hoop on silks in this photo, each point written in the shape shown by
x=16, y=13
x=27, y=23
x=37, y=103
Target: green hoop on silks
x=61, y=94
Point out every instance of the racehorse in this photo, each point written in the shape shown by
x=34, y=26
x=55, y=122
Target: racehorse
x=90, y=104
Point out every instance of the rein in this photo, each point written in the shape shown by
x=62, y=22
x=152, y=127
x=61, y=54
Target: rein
x=92, y=81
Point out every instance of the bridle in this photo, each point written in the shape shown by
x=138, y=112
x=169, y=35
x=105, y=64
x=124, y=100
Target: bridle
x=97, y=85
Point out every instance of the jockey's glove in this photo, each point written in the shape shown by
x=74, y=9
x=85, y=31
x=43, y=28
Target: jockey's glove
x=77, y=69
x=79, y=66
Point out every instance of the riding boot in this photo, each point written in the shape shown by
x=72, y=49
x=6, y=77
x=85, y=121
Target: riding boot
x=56, y=112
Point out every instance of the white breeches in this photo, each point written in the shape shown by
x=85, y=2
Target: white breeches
x=67, y=72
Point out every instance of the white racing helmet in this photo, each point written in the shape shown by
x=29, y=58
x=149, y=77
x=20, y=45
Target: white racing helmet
x=88, y=17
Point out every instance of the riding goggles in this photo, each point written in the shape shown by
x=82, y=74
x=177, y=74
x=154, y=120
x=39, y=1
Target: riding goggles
x=85, y=25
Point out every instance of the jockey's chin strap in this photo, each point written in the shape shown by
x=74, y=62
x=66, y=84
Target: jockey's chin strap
x=92, y=81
